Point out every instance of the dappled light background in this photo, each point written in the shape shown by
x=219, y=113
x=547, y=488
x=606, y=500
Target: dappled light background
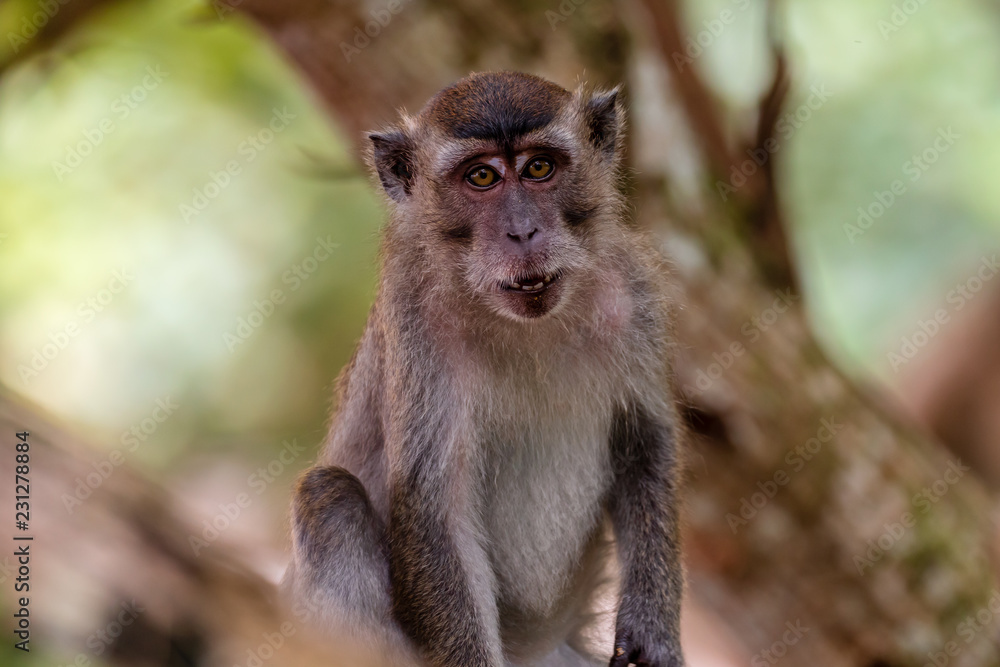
x=165, y=264
x=188, y=246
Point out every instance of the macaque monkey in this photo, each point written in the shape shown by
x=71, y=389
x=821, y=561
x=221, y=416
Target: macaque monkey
x=509, y=401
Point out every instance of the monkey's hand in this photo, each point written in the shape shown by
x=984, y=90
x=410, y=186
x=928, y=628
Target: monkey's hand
x=636, y=647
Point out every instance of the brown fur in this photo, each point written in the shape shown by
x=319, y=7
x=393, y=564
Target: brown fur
x=499, y=106
x=486, y=434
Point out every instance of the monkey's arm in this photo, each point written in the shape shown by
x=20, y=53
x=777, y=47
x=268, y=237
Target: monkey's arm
x=643, y=510
x=441, y=580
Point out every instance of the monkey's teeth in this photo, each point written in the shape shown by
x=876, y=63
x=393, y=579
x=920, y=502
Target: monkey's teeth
x=536, y=287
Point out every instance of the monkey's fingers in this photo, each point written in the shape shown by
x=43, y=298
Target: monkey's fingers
x=620, y=660
x=635, y=649
x=625, y=653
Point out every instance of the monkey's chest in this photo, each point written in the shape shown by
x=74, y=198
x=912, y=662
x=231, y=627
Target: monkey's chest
x=543, y=485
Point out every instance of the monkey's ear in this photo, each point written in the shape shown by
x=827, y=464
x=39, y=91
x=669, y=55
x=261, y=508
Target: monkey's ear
x=604, y=117
x=392, y=157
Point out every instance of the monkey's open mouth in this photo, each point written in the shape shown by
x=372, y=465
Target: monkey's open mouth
x=532, y=284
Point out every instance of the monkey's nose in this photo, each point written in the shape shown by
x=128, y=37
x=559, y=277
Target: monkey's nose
x=522, y=236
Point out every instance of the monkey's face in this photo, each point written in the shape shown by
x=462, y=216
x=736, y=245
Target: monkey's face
x=505, y=220
x=502, y=180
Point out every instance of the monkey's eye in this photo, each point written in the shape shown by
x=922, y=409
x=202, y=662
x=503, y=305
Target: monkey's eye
x=539, y=169
x=482, y=176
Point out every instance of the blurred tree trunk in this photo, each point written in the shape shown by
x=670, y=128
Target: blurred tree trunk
x=113, y=572
x=953, y=385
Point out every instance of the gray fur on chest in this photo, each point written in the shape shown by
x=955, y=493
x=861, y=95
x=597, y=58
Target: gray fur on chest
x=544, y=472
